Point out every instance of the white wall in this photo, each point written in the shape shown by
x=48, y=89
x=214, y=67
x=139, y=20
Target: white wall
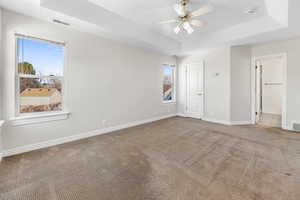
x=227, y=84
x=1, y=82
x=217, y=83
x=105, y=80
x=292, y=48
x=240, y=84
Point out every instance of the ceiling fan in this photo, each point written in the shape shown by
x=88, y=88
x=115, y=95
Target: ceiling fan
x=186, y=19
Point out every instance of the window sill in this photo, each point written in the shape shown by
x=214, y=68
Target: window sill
x=169, y=102
x=34, y=119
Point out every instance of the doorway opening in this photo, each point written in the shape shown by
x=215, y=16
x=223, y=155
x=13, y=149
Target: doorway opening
x=270, y=91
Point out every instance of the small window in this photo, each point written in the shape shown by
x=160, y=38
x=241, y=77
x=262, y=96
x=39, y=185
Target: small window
x=169, y=83
x=39, y=75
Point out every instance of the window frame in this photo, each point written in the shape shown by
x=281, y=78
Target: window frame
x=18, y=76
x=173, y=83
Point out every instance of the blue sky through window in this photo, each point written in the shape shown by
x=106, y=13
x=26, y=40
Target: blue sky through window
x=46, y=58
x=167, y=70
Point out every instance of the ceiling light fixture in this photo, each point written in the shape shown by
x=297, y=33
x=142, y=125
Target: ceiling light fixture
x=186, y=19
x=180, y=9
x=177, y=29
x=187, y=26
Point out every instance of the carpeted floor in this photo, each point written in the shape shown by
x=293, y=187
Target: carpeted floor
x=172, y=159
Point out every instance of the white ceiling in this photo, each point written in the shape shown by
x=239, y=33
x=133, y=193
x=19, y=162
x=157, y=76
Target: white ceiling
x=149, y=13
x=136, y=21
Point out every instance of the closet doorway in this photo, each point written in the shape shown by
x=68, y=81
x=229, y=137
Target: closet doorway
x=270, y=91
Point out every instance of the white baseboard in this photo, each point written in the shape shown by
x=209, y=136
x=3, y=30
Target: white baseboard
x=216, y=121
x=208, y=119
x=221, y=121
x=181, y=115
x=241, y=123
x=289, y=128
x=31, y=147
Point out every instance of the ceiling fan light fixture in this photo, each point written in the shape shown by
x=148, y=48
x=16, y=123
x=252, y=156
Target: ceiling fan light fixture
x=186, y=25
x=176, y=29
x=180, y=10
x=190, y=31
x=185, y=18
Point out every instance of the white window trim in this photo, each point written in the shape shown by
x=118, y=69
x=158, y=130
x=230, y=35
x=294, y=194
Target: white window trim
x=1, y=124
x=38, y=117
x=173, y=101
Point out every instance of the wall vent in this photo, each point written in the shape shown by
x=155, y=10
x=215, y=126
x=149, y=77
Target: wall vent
x=296, y=126
x=61, y=22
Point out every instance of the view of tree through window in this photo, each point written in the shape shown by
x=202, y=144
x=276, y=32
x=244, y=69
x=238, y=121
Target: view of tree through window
x=168, y=82
x=40, y=75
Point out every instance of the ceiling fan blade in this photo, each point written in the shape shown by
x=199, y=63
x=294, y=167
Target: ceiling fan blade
x=168, y=21
x=202, y=11
x=180, y=10
x=197, y=23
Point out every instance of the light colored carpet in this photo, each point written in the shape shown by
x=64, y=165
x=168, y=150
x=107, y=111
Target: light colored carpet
x=172, y=159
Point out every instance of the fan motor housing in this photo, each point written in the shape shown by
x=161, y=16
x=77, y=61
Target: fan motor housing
x=184, y=19
x=184, y=2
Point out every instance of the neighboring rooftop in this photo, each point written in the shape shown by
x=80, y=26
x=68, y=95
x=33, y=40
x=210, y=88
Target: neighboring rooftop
x=38, y=92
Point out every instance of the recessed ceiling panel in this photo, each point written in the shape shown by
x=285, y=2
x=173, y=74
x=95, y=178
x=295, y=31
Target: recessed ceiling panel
x=137, y=21
x=149, y=13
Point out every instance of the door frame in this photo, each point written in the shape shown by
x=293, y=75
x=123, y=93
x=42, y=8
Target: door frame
x=253, y=87
x=186, y=114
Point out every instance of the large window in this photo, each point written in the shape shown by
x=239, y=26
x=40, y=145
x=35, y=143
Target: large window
x=39, y=75
x=169, y=83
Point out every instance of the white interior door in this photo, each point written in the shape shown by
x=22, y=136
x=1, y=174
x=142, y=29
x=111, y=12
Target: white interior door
x=195, y=90
x=272, y=86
